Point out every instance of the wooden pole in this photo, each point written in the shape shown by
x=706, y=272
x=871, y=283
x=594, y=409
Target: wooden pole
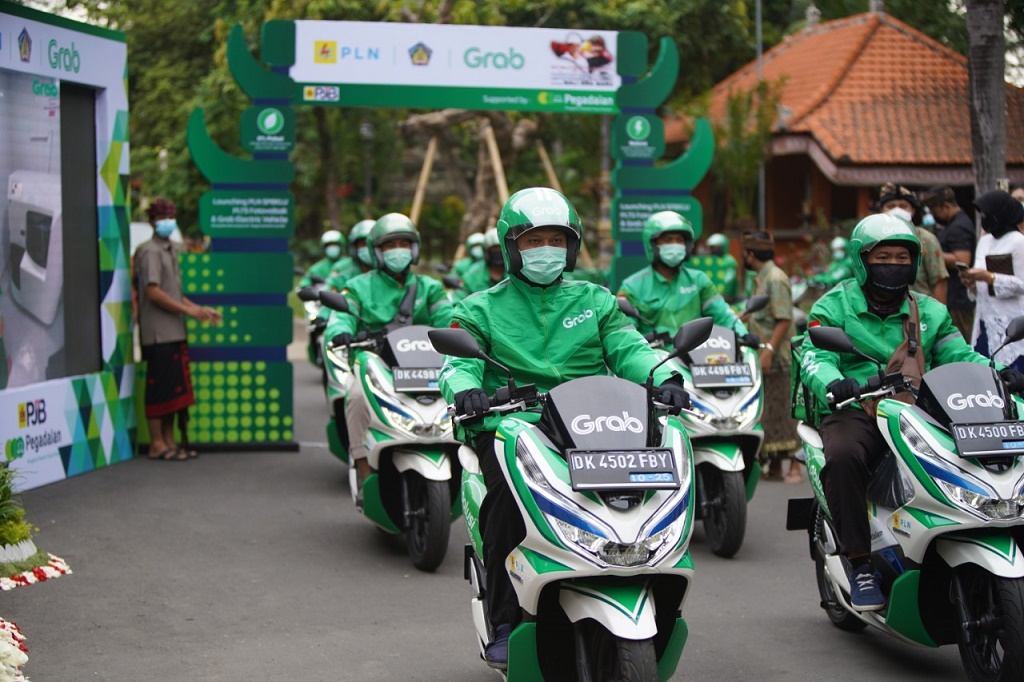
x=499, y=170
x=421, y=184
x=549, y=169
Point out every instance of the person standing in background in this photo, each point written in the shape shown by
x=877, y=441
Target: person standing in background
x=957, y=238
x=162, y=311
x=932, y=275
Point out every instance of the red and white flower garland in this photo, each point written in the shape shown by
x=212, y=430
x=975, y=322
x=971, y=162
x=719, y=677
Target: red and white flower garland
x=55, y=568
x=13, y=652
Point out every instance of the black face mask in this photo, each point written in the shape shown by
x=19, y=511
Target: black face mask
x=495, y=258
x=889, y=282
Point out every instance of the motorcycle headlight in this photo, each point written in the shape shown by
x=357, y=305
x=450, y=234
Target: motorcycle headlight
x=614, y=553
x=990, y=507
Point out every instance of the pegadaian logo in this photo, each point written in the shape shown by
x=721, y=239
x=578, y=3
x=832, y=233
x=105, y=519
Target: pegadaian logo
x=571, y=322
x=63, y=58
x=406, y=345
x=475, y=58
x=959, y=401
x=14, y=448
x=584, y=425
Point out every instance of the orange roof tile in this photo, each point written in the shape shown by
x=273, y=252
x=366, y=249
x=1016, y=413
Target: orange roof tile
x=874, y=90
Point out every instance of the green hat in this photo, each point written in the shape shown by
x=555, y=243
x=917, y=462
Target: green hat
x=393, y=226
x=661, y=222
x=877, y=229
x=360, y=230
x=537, y=207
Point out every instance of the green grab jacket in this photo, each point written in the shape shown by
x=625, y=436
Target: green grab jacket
x=546, y=336
x=476, y=278
x=844, y=306
x=668, y=304
x=375, y=297
x=325, y=267
x=837, y=271
x=464, y=264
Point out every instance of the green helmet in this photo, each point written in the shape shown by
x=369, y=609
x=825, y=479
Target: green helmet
x=475, y=239
x=537, y=207
x=719, y=239
x=876, y=229
x=332, y=237
x=491, y=238
x=661, y=222
x=360, y=230
x=393, y=226
x=838, y=244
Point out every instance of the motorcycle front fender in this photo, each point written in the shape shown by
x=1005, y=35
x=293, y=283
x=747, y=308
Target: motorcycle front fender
x=993, y=550
x=626, y=611
x=721, y=454
x=431, y=464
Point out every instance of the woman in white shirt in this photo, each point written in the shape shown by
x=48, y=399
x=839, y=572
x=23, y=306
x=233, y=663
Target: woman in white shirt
x=996, y=281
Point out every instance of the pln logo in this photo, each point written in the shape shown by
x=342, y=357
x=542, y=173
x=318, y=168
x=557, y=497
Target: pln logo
x=420, y=54
x=25, y=46
x=31, y=413
x=325, y=52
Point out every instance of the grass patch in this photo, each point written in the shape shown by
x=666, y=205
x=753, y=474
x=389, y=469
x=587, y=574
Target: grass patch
x=37, y=560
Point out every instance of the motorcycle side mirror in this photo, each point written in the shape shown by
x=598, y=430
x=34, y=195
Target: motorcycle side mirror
x=451, y=282
x=692, y=335
x=460, y=344
x=442, y=268
x=317, y=279
x=334, y=301
x=836, y=340
x=307, y=294
x=628, y=308
x=755, y=303
x=298, y=271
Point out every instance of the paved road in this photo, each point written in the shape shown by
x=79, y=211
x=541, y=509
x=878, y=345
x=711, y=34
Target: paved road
x=256, y=567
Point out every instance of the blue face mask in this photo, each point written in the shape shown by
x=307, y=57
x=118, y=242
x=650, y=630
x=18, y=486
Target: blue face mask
x=363, y=254
x=333, y=251
x=164, y=228
x=543, y=264
x=672, y=254
x=397, y=260
x=476, y=252
x=928, y=220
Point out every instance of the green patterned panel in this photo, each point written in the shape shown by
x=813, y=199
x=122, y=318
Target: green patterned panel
x=244, y=326
x=241, y=402
x=236, y=273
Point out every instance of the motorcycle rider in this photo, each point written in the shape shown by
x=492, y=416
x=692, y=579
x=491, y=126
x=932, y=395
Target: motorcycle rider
x=932, y=275
x=666, y=293
x=547, y=331
x=486, y=273
x=912, y=334
x=376, y=297
x=333, y=244
x=474, y=254
x=718, y=245
x=839, y=268
x=359, y=260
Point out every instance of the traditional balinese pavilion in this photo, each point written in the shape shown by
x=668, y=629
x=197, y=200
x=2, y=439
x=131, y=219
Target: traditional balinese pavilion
x=865, y=100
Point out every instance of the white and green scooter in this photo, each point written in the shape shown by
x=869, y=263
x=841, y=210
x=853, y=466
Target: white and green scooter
x=946, y=512
x=605, y=492
x=414, y=487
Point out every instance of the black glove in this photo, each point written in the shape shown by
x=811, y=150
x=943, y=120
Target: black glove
x=319, y=324
x=342, y=339
x=1014, y=379
x=843, y=389
x=751, y=340
x=673, y=395
x=471, y=402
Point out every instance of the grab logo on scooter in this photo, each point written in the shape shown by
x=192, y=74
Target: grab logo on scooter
x=406, y=345
x=716, y=342
x=571, y=322
x=584, y=425
x=958, y=401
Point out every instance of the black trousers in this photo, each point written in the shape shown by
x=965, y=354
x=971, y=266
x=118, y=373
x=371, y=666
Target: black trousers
x=501, y=529
x=853, y=448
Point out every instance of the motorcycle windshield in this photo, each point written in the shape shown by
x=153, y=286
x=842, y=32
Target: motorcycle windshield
x=600, y=413
x=964, y=393
x=410, y=347
x=719, y=349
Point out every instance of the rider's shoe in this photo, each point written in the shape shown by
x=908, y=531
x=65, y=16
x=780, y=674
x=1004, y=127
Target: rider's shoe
x=496, y=654
x=865, y=593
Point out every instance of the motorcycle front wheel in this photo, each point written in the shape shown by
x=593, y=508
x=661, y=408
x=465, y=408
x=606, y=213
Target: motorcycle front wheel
x=725, y=509
x=995, y=652
x=614, y=659
x=430, y=525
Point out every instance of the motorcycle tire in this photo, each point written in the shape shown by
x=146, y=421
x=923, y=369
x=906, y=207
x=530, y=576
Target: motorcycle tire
x=830, y=601
x=430, y=511
x=996, y=650
x=614, y=659
x=725, y=509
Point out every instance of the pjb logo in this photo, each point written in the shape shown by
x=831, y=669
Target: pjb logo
x=31, y=413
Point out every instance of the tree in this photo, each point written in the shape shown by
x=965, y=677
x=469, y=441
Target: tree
x=986, y=61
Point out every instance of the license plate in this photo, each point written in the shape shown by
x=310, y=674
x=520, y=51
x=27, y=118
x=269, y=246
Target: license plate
x=989, y=440
x=415, y=378
x=623, y=469
x=726, y=375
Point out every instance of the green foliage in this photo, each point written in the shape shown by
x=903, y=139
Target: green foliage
x=37, y=560
x=10, y=506
x=15, y=529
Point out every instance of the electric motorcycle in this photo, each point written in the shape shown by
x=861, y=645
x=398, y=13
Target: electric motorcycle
x=414, y=487
x=310, y=297
x=723, y=378
x=604, y=487
x=946, y=512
